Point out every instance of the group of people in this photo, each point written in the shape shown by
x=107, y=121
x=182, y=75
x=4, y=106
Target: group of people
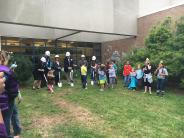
x=135, y=78
x=100, y=74
x=9, y=91
x=104, y=75
x=48, y=73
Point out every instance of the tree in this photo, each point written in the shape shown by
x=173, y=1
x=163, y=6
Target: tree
x=164, y=42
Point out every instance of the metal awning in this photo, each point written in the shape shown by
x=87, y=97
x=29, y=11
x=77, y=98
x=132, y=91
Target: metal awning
x=54, y=33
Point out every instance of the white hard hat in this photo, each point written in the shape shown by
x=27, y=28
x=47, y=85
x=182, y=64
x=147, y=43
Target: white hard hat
x=67, y=54
x=47, y=53
x=147, y=59
x=43, y=59
x=56, y=56
x=82, y=56
x=93, y=58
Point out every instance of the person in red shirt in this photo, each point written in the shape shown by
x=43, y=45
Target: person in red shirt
x=126, y=73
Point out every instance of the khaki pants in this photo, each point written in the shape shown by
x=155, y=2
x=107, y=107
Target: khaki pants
x=69, y=76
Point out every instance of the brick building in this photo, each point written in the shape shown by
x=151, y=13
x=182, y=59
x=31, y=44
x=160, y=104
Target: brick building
x=144, y=24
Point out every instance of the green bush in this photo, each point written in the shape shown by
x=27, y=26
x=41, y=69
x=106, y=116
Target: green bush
x=164, y=42
x=24, y=69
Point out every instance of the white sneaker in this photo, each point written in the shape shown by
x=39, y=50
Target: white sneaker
x=92, y=83
x=60, y=84
x=72, y=85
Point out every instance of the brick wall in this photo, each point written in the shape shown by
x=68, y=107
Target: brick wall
x=144, y=25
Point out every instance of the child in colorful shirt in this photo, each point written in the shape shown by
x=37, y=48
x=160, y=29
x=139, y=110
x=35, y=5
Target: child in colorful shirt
x=102, y=77
x=126, y=73
x=51, y=80
x=84, y=75
x=112, y=75
x=133, y=82
x=139, y=76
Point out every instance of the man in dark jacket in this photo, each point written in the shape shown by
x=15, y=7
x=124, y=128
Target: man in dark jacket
x=57, y=71
x=68, y=68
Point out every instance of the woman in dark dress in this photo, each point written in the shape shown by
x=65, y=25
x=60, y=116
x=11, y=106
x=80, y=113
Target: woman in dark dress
x=38, y=73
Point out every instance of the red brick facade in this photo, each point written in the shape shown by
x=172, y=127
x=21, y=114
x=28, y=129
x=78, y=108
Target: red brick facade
x=144, y=25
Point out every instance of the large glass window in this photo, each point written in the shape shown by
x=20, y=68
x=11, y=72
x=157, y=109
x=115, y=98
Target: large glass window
x=39, y=46
x=11, y=44
x=13, y=41
x=32, y=47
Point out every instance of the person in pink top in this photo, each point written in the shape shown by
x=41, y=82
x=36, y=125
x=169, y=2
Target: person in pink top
x=126, y=73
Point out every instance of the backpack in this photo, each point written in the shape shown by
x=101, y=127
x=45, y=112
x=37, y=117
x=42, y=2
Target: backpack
x=11, y=83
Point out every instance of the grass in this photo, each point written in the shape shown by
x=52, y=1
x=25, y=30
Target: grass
x=94, y=114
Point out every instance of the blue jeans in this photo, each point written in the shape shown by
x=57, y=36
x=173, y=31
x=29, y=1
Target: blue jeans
x=15, y=121
x=126, y=80
x=84, y=80
x=7, y=114
x=160, y=85
x=11, y=115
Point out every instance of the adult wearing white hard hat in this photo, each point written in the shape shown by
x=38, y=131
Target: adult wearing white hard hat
x=48, y=66
x=68, y=68
x=48, y=60
x=39, y=73
x=57, y=71
x=94, y=68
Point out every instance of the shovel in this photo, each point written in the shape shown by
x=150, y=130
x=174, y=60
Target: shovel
x=71, y=77
x=92, y=82
x=45, y=79
x=59, y=83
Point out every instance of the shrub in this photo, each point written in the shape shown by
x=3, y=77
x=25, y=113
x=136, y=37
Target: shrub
x=164, y=42
x=24, y=68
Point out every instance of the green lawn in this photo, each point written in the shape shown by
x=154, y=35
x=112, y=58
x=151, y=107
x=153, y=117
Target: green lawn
x=119, y=113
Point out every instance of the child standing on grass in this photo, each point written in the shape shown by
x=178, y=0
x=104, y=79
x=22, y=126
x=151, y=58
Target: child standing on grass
x=126, y=73
x=102, y=77
x=116, y=70
x=112, y=76
x=94, y=70
x=139, y=75
x=51, y=79
x=84, y=75
x=133, y=80
x=161, y=73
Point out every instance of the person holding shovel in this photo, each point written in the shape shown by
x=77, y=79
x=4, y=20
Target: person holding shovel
x=68, y=68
